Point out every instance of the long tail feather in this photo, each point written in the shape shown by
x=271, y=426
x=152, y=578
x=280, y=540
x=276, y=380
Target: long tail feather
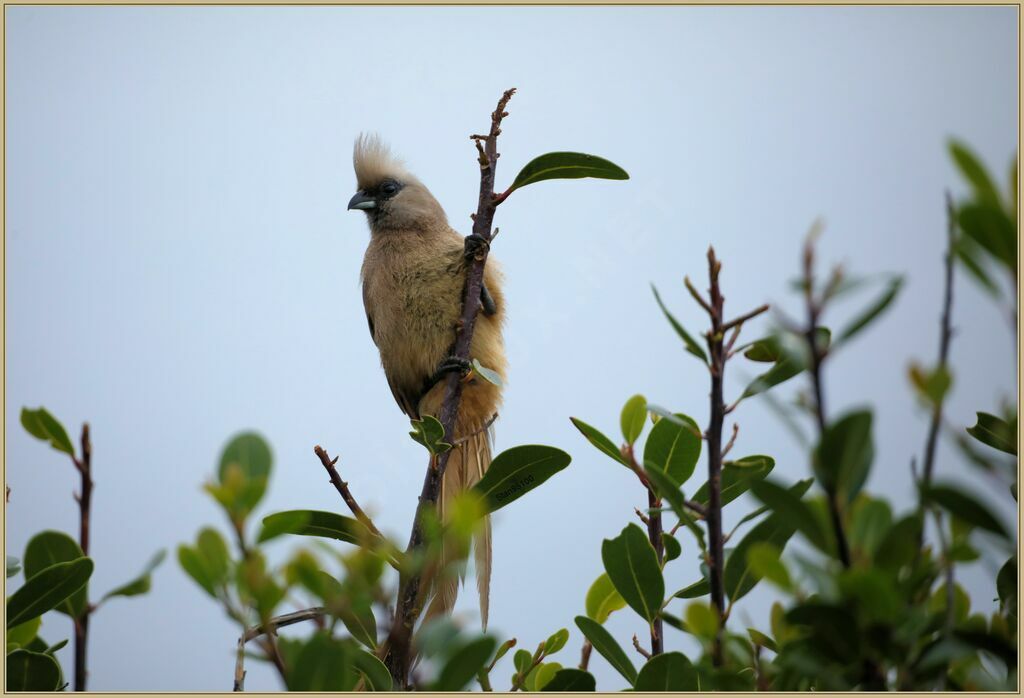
x=466, y=466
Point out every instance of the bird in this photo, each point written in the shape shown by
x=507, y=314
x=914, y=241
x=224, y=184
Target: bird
x=413, y=276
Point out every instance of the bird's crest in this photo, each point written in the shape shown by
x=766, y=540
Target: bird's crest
x=373, y=162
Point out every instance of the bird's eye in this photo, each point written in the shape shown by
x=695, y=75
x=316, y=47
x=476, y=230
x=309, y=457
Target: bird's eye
x=389, y=188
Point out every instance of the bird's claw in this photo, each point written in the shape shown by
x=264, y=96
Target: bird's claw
x=476, y=246
x=452, y=364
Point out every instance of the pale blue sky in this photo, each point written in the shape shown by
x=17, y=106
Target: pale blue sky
x=181, y=266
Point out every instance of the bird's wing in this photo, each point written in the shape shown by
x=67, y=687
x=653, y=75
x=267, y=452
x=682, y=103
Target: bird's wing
x=406, y=400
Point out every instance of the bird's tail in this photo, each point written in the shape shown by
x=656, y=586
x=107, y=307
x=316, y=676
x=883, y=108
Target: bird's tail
x=466, y=465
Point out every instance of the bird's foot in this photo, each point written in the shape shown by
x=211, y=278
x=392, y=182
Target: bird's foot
x=452, y=364
x=476, y=246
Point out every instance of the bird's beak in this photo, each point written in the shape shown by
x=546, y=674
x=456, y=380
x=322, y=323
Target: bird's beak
x=362, y=202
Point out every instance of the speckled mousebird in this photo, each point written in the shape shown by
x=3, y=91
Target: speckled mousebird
x=413, y=277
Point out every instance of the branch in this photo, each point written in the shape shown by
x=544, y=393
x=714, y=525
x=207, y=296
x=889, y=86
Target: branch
x=84, y=466
x=397, y=657
x=713, y=514
x=945, y=335
x=743, y=318
x=283, y=621
x=344, y=491
x=817, y=353
x=636, y=643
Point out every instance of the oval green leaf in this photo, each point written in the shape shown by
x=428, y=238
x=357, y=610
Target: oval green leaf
x=602, y=599
x=670, y=671
x=673, y=448
x=601, y=442
x=516, y=471
x=47, y=590
x=566, y=165
x=32, y=671
x=464, y=664
x=48, y=548
x=634, y=415
x=575, y=680
x=44, y=426
x=607, y=647
x=633, y=567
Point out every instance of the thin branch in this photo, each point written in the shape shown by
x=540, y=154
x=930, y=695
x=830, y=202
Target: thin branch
x=344, y=491
x=696, y=508
x=283, y=621
x=713, y=516
x=84, y=499
x=945, y=336
x=732, y=439
x=399, y=643
x=588, y=648
x=738, y=322
x=240, y=667
x=817, y=354
x=640, y=514
x=696, y=296
x=636, y=644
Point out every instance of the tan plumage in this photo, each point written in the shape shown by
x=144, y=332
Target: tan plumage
x=413, y=276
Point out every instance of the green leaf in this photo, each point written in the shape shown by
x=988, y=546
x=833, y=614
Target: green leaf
x=42, y=425
x=47, y=590
x=965, y=507
x=322, y=663
x=932, y=386
x=242, y=474
x=634, y=415
x=462, y=666
x=739, y=577
x=542, y=675
x=689, y=342
x=32, y=671
x=373, y=670
x=564, y=165
x=22, y=635
x=429, y=433
x=599, y=440
x=48, y=548
x=673, y=449
x=701, y=621
x=995, y=432
x=556, y=641
x=13, y=566
x=872, y=312
x=699, y=588
x=522, y=660
x=967, y=252
x=759, y=638
x=672, y=547
x=516, y=471
x=736, y=478
x=992, y=230
x=790, y=354
x=575, y=680
x=974, y=172
x=142, y=583
x=900, y=545
x=307, y=522
x=632, y=565
x=843, y=458
x=283, y=522
x=764, y=560
x=488, y=374
x=670, y=671
x=602, y=599
x=607, y=647
x=793, y=510
x=207, y=562
x=870, y=521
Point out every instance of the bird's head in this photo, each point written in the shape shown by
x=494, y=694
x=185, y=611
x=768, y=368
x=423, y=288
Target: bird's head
x=392, y=198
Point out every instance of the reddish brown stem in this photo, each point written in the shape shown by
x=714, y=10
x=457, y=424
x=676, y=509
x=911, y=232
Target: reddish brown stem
x=84, y=466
